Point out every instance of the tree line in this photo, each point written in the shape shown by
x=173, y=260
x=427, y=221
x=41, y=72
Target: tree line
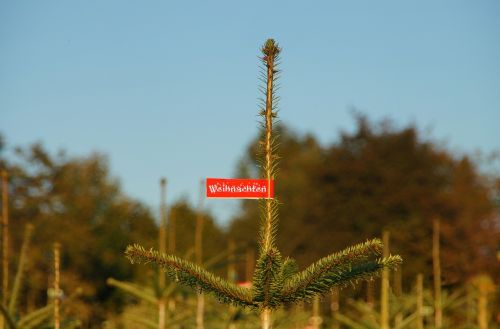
x=378, y=177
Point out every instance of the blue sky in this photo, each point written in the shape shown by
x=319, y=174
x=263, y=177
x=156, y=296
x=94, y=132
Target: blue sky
x=170, y=88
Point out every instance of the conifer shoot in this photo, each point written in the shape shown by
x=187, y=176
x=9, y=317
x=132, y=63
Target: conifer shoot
x=276, y=280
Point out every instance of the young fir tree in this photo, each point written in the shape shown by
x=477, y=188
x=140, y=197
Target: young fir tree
x=276, y=279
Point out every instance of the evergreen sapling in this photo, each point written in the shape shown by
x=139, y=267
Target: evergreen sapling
x=276, y=280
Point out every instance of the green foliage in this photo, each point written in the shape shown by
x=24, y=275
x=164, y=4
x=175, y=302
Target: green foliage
x=140, y=315
x=8, y=317
x=268, y=279
x=191, y=274
x=34, y=319
x=140, y=292
x=146, y=298
x=354, y=263
x=21, y=269
x=10, y=313
x=357, y=314
x=362, y=315
x=276, y=281
x=339, y=269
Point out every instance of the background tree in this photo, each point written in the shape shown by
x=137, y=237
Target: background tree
x=380, y=176
x=76, y=202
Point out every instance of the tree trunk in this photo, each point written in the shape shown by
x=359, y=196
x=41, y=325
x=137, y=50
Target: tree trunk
x=266, y=318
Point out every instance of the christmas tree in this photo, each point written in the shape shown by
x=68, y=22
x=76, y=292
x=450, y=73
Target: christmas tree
x=277, y=280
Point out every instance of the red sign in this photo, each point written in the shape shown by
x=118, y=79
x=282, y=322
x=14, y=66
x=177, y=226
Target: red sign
x=239, y=188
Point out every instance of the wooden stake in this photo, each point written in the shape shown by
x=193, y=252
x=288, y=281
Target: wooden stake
x=198, y=245
x=163, y=218
x=5, y=237
x=266, y=318
x=482, y=309
x=57, y=291
x=162, y=312
x=484, y=286
x=171, y=232
x=171, y=247
x=384, y=294
x=420, y=301
x=436, y=264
